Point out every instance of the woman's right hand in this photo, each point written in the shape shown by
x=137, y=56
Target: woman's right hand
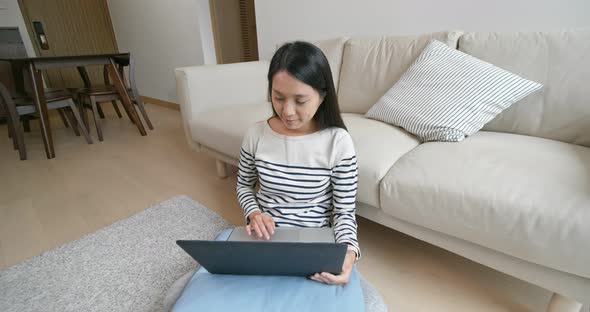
x=261, y=225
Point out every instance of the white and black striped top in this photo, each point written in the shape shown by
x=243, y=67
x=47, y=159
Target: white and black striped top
x=305, y=181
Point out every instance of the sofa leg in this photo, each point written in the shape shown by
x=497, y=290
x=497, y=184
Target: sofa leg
x=221, y=169
x=561, y=303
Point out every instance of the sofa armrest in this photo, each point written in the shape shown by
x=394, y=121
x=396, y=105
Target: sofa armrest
x=217, y=87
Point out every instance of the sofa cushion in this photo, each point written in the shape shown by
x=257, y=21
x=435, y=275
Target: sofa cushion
x=447, y=95
x=223, y=130
x=527, y=197
x=333, y=49
x=370, y=66
x=558, y=60
x=378, y=146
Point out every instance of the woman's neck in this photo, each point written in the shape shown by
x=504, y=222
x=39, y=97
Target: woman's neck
x=277, y=125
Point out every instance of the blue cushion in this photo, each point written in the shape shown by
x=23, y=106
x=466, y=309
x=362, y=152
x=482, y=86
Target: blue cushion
x=216, y=292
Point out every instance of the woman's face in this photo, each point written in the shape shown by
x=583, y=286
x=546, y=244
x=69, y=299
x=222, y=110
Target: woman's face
x=294, y=102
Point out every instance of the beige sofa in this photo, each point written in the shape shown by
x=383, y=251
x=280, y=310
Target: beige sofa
x=514, y=196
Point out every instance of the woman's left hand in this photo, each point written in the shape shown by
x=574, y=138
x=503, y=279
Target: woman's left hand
x=341, y=278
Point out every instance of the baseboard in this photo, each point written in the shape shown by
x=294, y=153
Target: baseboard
x=172, y=105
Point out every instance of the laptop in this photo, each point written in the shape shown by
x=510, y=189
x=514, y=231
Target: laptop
x=291, y=251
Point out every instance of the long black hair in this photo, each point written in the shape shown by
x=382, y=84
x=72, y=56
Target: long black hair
x=308, y=64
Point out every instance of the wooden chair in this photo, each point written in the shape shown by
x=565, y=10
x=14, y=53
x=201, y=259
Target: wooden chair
x=20, y=91
x=23, y=108
x=107, y=92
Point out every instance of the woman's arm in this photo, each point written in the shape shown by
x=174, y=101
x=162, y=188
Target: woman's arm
x=261, y=224
x=344, y=185
x=247, y=179
x=344, y=188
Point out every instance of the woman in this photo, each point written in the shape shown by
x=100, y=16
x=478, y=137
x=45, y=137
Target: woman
x=303, y=157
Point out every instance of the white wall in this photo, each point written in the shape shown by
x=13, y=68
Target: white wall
x=161, y=36
x=206, y=32
x=286, y=20
x=11, y=16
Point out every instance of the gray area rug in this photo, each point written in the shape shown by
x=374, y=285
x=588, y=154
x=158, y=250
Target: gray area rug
x=127, y=266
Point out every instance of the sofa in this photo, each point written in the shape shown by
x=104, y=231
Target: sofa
x=515, y=196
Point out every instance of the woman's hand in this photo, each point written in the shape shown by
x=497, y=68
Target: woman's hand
x=341, y=278
x=261, y=225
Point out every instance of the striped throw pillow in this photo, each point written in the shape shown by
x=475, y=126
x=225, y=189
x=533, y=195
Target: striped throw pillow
x=447, y=95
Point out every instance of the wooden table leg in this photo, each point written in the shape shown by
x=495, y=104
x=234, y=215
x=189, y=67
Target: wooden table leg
x=125, y=99
x=41, y=105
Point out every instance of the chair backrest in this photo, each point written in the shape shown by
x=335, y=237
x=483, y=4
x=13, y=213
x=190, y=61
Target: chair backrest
x=131, y=74
x=126, y=67
x=7, y=105
x=11, y=45
x=10, y=87
x=85, y=78
x=5, y=78
x=3, y=94
x=6, y=75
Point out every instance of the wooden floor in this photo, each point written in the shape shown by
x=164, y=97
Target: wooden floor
x=45, y=203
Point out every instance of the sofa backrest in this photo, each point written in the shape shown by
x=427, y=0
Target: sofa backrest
x=332, y=49
x=371, y=66
x=558, y=60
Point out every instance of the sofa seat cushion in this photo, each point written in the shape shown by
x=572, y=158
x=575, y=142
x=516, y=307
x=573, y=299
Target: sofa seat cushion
x=527, y=197
x=223, y=130
x=378, y=146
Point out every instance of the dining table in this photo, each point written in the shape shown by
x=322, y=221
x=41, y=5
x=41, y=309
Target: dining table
x=35, y=65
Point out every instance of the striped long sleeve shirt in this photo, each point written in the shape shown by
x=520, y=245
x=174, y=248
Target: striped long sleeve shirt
x=304, y=181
